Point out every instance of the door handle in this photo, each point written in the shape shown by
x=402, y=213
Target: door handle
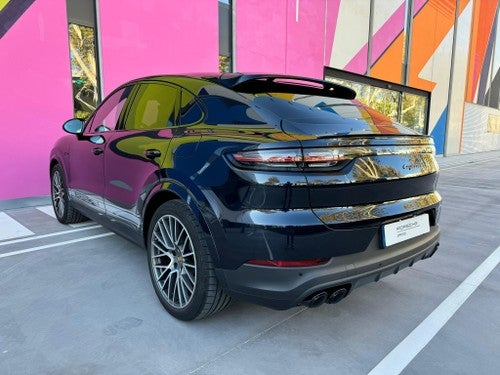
x=97, y=151
x=152, y=153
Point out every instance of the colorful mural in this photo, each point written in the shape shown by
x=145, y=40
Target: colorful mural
x=482, y=66
x=428, y=58
x=341, y=30
x=137, y=39
x=450, y=48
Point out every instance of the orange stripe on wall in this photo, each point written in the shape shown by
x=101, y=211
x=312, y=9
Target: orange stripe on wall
x=471, y=87
x=390, y=65
x=430, y=27
x=484, y=15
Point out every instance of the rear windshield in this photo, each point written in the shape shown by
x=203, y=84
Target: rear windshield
x=317, y=108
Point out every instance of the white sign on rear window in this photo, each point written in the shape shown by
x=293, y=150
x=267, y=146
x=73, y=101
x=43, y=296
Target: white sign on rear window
x=403, y=230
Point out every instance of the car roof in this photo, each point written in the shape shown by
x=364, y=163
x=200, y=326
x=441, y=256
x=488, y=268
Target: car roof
x=257, y=83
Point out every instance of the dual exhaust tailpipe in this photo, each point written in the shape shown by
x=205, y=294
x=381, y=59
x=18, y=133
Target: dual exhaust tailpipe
x=324, y=297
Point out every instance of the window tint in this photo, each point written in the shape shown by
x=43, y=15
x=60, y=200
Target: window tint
x=107, y=115
x=222, y=110
x=191, y=113
x=154, y=107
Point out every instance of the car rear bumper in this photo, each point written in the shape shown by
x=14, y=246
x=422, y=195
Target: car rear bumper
x=301, y=234
x=283, y=288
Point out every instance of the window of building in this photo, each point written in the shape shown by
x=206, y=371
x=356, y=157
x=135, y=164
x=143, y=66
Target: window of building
x=225, y=35
x=402, y=104
x=83, y=56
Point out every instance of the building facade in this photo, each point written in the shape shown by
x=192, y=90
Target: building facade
x=431, y=64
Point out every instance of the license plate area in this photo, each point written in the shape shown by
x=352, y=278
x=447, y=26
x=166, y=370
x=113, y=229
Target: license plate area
x=406, y=229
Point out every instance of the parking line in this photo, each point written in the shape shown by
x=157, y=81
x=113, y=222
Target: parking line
x=10, y=228
x=407, y=350
x=48, y=210
x=38, y=248
x=62, y=232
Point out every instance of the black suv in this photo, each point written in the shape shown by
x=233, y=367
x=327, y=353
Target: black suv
x=279, y=190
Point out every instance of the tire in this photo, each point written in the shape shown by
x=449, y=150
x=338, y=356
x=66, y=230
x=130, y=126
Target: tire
x=180, y=265
x=63, y=209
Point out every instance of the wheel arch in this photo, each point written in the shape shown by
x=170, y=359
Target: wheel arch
x=56, y=160
x=169, y=190
x=53, y=162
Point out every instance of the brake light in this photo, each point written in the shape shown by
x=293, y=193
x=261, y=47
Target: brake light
x=282, y=158
x=290, y=158
x=323, y=158
x=289, y=263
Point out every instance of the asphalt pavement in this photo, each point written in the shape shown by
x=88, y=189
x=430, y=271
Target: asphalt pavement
x=78, y=300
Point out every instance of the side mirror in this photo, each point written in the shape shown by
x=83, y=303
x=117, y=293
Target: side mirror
x=73, y=126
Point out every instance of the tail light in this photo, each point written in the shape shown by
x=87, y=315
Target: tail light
x=318, y=158
x=289, y=263
x=289, y=158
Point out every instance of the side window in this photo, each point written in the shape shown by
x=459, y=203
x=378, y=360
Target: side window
x=107, y=115
x=155, y=106
x=191, y=112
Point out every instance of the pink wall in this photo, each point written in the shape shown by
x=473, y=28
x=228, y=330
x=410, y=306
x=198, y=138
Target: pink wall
x=142, y=38
x=35, y=97
x=271, y=39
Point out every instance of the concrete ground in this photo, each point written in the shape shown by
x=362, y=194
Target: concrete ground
x=78, y=300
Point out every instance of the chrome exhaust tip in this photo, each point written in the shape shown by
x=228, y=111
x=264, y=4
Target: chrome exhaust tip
x=337, y=296
x=317, y=300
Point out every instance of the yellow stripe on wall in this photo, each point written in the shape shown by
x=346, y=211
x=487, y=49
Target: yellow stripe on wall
x=3, y=3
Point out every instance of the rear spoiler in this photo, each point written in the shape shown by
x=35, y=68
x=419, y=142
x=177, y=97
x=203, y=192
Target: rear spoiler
x=265, y=83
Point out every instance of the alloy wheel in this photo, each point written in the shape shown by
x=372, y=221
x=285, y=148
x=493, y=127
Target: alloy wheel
x=58, y=194
x=173, y=261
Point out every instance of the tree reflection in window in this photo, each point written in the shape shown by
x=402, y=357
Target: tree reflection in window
x=83, y=69
x=409, y=110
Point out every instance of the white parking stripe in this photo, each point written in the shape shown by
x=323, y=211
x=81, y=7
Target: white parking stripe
x=83, y=224
x=38, y=248
x=62, y=232
x=10, y=228
x=403, y=354
x=49, y=210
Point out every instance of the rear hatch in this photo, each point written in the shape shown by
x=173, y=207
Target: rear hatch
x=353, y=155
x=350, y=155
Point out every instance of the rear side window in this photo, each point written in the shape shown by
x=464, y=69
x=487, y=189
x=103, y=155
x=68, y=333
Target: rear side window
x=222, y=110
x=191, y=112
x=155, y=106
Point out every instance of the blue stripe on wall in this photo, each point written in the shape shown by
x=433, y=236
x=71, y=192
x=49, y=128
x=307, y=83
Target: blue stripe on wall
x=439, y=131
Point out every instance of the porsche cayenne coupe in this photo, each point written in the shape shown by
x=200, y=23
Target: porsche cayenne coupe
x=279, y=190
